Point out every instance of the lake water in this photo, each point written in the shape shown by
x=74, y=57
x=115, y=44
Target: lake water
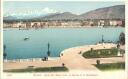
x=58, y=38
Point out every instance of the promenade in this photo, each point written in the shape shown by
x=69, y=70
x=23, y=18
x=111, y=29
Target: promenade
x=72, y=58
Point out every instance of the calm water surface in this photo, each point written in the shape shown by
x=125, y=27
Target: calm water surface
x=59, y=39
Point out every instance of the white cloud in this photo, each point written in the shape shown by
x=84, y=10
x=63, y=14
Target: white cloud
x=30, y=12
x=48, y=10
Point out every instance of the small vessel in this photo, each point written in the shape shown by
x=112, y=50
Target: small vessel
x=26, y=38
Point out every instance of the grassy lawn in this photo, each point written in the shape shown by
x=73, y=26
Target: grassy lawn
x=41, y=69
x=101, y=53
x=111, y=66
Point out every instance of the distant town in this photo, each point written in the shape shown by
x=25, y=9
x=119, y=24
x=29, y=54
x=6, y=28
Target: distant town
x=65, y=23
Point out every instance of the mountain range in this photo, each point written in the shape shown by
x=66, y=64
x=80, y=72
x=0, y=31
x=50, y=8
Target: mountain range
x=112, y=12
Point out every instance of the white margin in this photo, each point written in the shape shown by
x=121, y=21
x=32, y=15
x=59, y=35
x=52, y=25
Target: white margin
x=126, y=37
x=1, y=39
x=1, y=31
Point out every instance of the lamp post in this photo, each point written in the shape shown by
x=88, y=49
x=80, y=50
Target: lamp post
x=118, y=48
x=48, y=52
x=102, y=38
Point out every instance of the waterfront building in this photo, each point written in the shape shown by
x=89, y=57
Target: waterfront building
x=7, y=25
x=106, y=23
x=119, y=23
x=28, y=25
x=84, y=23
x=113, y=22
x=101, y=23
x=15, y=25
x=91, y=23
x=22, y=25
x=35, y=24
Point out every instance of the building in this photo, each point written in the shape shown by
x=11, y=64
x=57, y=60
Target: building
x=84, y=23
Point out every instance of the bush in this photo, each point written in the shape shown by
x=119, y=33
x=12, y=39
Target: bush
x=103, y=53
x=111, y=66
x=40, y=69
x=98, y=62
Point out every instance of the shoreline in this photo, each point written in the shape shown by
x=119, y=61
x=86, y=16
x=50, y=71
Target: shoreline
x=52, y=58
x=68, y=27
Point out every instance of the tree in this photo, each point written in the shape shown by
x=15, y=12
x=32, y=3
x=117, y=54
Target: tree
x=5, y=54
x=102, y=38
x=118, y=45
x=122, y=38
x=48, y=52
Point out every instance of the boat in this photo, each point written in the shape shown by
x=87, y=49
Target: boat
x=26, y=38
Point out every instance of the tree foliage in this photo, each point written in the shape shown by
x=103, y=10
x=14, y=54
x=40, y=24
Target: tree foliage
x=122, y=38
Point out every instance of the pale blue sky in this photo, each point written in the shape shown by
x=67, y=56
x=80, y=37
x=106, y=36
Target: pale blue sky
x=38, y=7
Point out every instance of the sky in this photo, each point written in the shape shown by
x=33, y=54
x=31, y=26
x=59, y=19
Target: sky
x=20, y=8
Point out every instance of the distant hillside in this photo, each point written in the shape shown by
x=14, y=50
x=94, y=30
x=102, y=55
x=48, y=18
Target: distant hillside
x=61, y=16
x=113, y=12
x=9, y=18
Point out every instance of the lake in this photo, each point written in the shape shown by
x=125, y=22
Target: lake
x=35, y=46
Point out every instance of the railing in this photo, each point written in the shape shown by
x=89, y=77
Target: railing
x=31, y=59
